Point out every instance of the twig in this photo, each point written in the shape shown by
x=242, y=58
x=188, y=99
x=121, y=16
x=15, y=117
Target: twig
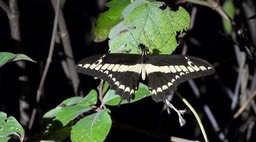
x=215, y=6
x=68, y=51
x=5, y=7
x=242, y=108
x=49, y=59
x=100, y=88
x=14, y=20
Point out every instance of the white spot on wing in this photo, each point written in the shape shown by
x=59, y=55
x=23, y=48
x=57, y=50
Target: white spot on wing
x=173, y=70
x=122, y=68
x=195, y=67
x=117, y=83
x=153, y=92
x=127, y=89
x=159, y=89
x=110, y=66
x=132, y=91
x=116, y=67
x=182, y=73
x=183, y=68
x=202, y=68
x=190, y=69
x=105, y=66
x=178, y=68
x=85, y=66
x=164, y=87
x=121, y=87
x=98, y=67
x=96, y=63
x=106, y=72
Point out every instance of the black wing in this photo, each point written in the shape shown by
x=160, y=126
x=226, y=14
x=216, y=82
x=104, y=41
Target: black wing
x=166, y=72
x=119, y=70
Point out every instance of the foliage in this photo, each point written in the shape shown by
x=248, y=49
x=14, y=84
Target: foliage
x=6, y=57
x=9, y=126
x=145, y=23
x=127, y=24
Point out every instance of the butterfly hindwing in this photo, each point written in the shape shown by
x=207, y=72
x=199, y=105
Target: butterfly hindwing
x=115, y=69
x=166, y=72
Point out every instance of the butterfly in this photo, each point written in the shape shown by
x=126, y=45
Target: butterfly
x=163, y=73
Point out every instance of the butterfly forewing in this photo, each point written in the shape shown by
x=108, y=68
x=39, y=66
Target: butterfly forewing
x=166, y=72
x=119, y=70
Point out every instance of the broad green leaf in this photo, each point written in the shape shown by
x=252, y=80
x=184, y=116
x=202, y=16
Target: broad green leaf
x=112, y=99
x=149, y=25
x=65, y=103
x=6, y=57
x=10, y=126
x=4, y=139
x=229, y=8
x=65, y=115
x=72, y=107
x=92, y=128
x=109, y=19
x=71, y=101
x=90, y=99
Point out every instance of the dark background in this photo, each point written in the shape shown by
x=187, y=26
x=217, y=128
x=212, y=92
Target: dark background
x=205, y=40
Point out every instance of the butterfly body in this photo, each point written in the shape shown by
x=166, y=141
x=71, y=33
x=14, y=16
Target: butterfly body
x=162, y=72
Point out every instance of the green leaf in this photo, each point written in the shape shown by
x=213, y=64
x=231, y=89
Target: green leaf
x=229, y=8
x=6, y=57
x=109, y=19
x=112, y=99
x=146, y=23
x=10, y=126
x=72, y=107
x=90, y=98
x=65, y=115
x=92, y=128
x=65, y=103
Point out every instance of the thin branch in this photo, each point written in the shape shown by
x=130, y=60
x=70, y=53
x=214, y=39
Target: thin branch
x=68, y=51
x=215, y=6
x=49, y=59
x=14, y=20
x=5, y=7
x=101, y=93
x=242, y=108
